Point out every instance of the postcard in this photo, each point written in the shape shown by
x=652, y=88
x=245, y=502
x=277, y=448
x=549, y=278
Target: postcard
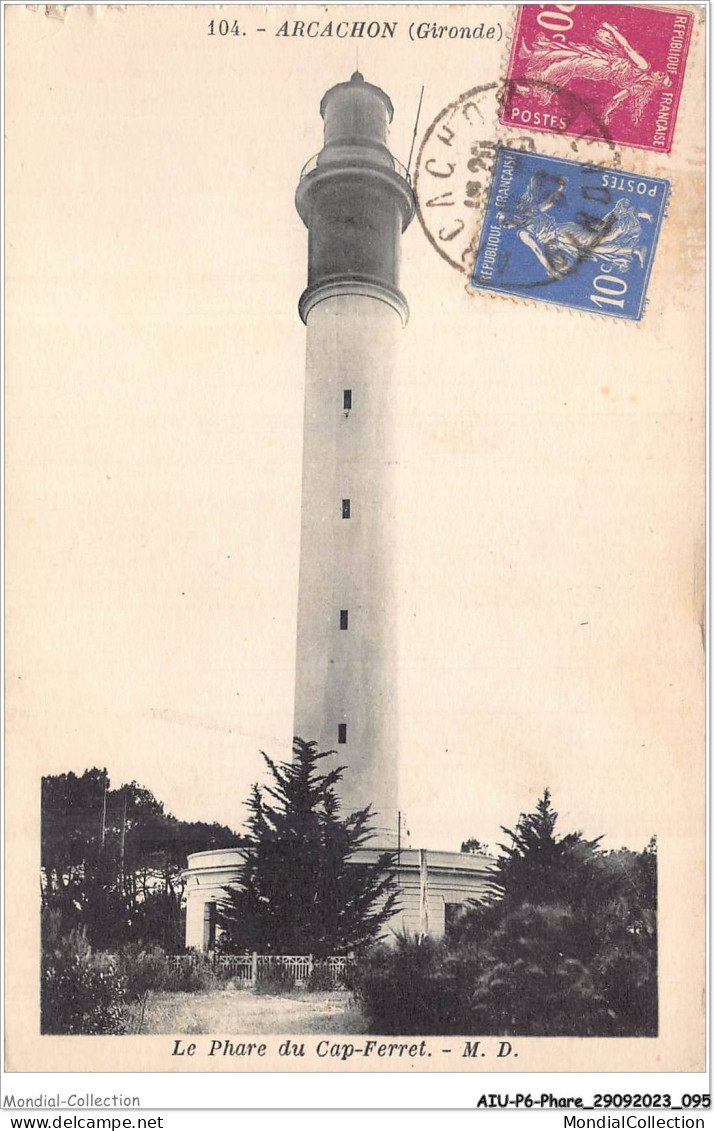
x=355, y=538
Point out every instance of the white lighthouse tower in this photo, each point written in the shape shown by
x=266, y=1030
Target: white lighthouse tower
x=356, y=201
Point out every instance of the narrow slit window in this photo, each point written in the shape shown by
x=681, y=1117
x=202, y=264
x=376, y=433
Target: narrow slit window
x=344, y=618
x=342, y=732
x=345, y=508
x=347, y=399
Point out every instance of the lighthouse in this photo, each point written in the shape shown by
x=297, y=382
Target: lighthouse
x=356, y=201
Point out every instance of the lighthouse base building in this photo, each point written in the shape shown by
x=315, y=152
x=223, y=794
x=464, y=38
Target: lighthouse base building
x=433, y=890
x=356, y=200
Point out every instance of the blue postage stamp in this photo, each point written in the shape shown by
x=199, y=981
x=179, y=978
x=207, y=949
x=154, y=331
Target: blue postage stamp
x=578, y=235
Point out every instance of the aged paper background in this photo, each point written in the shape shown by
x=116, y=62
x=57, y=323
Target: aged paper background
x=552, y=474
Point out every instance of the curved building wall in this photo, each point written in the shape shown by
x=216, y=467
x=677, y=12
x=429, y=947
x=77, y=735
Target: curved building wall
x=432, y=886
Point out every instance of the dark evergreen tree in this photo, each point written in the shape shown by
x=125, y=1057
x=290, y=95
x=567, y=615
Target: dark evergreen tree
x=540, y=867
x=566, y=945
x=112, y=860
x=570, y=930
x=624, y=933
x=300, y=889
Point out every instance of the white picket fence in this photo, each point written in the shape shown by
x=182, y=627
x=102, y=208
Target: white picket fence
x=248, y=968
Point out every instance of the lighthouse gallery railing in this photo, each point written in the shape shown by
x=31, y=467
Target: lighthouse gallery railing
x=397, y=166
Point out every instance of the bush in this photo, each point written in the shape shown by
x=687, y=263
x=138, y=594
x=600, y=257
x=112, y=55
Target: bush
x=275, y=979
x=195, y=977
x=416, y=987
x=533, y=982
x=81, y=992
x=518, y=972
x=320, y=980
x=148, y=968
x=626, y=968
x=143, y=968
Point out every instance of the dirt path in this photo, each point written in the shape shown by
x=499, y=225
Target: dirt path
x=232, y=1011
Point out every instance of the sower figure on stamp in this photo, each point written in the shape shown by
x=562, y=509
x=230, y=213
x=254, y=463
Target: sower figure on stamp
x=615, y=239
x=553, y=66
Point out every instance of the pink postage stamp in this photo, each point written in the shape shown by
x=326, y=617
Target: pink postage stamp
x=598, y=70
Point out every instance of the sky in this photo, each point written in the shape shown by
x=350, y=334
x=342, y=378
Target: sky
x=551, y=576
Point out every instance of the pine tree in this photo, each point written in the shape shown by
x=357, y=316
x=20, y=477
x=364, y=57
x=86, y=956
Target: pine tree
x=539, y=867
x=299, y=891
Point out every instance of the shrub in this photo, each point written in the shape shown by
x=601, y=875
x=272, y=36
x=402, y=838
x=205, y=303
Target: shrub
x=418, y=986
x=518, y=977
x=148, y=968
x=81, y=992
x=143, y=968
x=533, y=984
x=194, y=977
x=627, y=972
x=320, y=980
x=275, y=978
